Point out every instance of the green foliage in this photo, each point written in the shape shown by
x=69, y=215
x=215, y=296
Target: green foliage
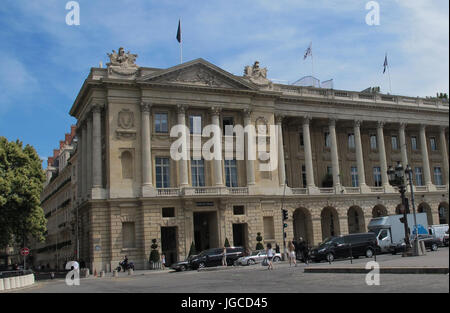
x=154, y=254
x=227, y=243
x=259, y=245
x=441, y=95
x=192, y=250
x=21, y=184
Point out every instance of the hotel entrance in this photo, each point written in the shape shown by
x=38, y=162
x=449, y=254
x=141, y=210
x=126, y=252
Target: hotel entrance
x=169, y=244
x=206, y=231
x=240, y=235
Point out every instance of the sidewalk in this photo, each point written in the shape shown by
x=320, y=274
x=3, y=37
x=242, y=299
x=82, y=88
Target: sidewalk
x=431, y=263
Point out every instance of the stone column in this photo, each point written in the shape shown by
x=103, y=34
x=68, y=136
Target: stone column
x=97, y=146
x=79, y=164
x=425, y=160
x=382, y=155
x=217, y=164
x=403, y=149
x=443, y=148
x=308, y=154
x=334, y=154
x=250, y=164
x=281, y=164
x=84, y=173
x=359, y=156
x=146, y=149
x=89, y=155
x=183, y=163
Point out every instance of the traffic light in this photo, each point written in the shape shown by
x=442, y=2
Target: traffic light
x=285, y=214
x=402, y=219
x=284, y=225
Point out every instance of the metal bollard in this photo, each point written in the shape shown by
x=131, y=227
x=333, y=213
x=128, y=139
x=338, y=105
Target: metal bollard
x=130, y=271
x=351, y=254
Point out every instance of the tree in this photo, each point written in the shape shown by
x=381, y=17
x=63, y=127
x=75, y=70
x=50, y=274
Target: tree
x=227, y=243
x=441, y=95
x=259, y=245
x=21, y=183
x=154, y=254
x=192, y=249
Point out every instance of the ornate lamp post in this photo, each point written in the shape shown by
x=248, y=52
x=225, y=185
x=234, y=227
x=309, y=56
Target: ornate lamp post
x=408, y=172
x=396, y=178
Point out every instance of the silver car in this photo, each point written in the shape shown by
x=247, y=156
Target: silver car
x=257, y=257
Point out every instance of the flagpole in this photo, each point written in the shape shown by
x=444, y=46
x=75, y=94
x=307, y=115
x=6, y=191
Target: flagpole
x=389, y=75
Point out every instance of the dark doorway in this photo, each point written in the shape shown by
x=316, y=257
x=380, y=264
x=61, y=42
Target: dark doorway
x=169, y=244
x=205, y=231
x=240, y=235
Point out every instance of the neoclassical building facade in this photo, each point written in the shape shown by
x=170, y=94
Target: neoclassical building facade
x=333, y=147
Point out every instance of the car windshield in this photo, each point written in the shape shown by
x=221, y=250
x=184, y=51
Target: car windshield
x=255, y=252
x=327, y=241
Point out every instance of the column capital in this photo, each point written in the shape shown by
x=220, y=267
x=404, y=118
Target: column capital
x=332, y=121
x=247, y=112
x=216, y=110
x=279, y=118
x=97, y=107
x=403, y=125
x=357, y=123
x=181, y=108
x=423, y=127
x=443, y=128
x=146, y=106
x=380, y=124
x=306, y=119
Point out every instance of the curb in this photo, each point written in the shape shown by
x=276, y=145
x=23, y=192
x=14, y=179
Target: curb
x=383, y=270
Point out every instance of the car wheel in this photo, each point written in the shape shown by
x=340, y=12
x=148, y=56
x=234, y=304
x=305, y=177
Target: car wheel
x=201, y=265
x=330, y=257
x=251, y=262
x=276, y=259
x=369, y=253
x=434, y=247
x=183, y=268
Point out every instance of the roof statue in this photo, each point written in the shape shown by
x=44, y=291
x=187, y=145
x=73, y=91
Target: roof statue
x=257, y=75
x=122, y=63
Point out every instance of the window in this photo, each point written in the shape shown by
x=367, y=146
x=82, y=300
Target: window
x=195, y=124
x=128, y=235
x=442, y=215
x=168, y=212
x=327, y=139
x=302, y=144
x=198, y=173
x=354, y=173
x=433, y=144
x=419, y=176
x=437, y=176
x=231, y=173
x=373, y=142
x=394, y=142
x=377, y=176
x=161, y=123
x=304, y=175
x=238, y=210
x=414, y=143
x=162, y=172
x=228, y=120
x=329, y=170
x=269, y=230
x=351, y=141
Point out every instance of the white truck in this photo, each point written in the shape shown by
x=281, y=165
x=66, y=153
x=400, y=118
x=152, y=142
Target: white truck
x=390, y=230
x=439, y=231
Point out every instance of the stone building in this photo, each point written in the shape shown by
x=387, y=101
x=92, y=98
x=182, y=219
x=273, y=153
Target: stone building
x=334, y=151
x=57, y=200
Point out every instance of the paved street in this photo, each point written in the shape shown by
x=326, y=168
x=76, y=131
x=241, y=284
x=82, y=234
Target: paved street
x=259, y=279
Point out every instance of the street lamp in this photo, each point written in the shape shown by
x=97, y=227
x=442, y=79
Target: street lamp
x=396, y=178
x=408, y=172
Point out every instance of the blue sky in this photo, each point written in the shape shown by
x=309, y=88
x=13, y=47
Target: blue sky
x=44, y=61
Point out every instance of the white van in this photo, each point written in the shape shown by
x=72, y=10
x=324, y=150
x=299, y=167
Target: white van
x=438, y=231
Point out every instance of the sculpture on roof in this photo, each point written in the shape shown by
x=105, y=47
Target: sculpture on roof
x=257, y=75
x=122, y=63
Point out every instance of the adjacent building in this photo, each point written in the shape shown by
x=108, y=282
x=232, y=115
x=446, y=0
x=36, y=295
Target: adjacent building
x=333, y=147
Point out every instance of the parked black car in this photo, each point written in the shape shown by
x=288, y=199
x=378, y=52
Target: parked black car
x=213, y=257
x=182, y=265
x=355, y=245
x=431, y=243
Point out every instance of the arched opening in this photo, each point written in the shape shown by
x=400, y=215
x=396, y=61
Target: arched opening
x=127, y=164
x=356, y=223
x=303, y=225
x=379, y=211
x=330, y=223
x=425, y=208
x=443, y=213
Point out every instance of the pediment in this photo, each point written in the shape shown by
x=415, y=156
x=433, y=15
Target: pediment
x=198, y=73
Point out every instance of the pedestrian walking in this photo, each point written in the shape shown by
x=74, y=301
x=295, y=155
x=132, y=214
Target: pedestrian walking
x=269, y=253
x=291, y=249
x=163, y=261
x=224, y=256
